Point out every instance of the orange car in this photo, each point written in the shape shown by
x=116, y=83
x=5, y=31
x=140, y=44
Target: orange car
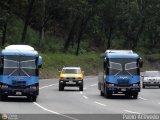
x=71, y=76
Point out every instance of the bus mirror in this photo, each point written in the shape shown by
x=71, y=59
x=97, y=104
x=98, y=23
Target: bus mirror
x=39, y=62
x=140, y=63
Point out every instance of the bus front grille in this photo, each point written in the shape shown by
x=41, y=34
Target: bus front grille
x=19, y=83
x=123, y=83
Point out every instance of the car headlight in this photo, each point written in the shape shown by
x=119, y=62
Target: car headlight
x=79, y=78
x=61, y=78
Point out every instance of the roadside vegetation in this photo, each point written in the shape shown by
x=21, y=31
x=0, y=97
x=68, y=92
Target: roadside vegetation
x=75, y=32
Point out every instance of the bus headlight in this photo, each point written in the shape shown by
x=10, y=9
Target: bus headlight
x=4, y=86
x=110, y=84
x=33, y=87
x=135, y=85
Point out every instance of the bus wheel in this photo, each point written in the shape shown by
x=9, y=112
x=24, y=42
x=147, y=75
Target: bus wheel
x=127, y=95
x=135, y=95
x=3, y=97
x=32, y=98
x=108, y=95
x=101, y=93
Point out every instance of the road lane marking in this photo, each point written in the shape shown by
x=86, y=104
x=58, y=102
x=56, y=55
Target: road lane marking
x=99, y=103
x=85, y=97
x=142, y=98
x=81, y=92
x=93, y=85
x=53, y=112
x=84, y=88
x=128, y=111
x=48, y=86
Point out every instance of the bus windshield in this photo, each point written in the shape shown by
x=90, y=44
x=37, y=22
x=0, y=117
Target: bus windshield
x=19, y=66
x=123, y=66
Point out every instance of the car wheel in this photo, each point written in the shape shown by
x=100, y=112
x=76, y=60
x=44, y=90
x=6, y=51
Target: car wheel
x=81, y=87
x=143, y=86
x=61, y=87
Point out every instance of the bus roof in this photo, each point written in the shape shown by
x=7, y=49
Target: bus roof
x=120, y=55
x=119, y=51
x=22, y=50
x=19, y=47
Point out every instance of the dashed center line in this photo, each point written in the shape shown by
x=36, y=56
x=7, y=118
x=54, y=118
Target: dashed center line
x=99, y=103
x=93, y=85
x=128, y=111
x=53, y=112
x=48, y=86
x=142, y=98
x=85, y=97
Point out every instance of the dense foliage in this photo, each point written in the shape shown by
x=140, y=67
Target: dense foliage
x=80, y=26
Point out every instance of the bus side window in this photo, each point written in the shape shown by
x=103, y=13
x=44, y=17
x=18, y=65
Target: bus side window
x=1, y=62
x=106, y=65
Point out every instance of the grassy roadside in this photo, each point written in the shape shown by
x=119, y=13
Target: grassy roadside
x=53, y=63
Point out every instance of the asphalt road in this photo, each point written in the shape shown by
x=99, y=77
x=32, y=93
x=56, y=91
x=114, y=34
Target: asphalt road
x=72, y=104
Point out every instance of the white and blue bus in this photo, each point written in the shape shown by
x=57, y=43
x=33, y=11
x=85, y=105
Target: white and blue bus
x=119, y=73
x=19, y=72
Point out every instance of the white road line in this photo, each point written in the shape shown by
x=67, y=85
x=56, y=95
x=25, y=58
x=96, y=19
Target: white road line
x=84, y=88
x=47, y=86
x=128, y=111
x=99, y=103
x=85, y=97
x=93, y=85
x=53, y=112
x=142, y=98
x=81, y=92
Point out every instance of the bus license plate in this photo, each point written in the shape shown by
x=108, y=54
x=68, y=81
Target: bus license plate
x=123, y=89
x=18, y=93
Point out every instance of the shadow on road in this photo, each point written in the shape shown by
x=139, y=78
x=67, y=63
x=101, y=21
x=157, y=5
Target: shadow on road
x=113, y=97
x=15, y=99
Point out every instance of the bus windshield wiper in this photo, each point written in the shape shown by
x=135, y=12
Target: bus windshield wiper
x=25, y=72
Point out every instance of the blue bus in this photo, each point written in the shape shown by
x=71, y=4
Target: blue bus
x=119, y=73
x=19, y=72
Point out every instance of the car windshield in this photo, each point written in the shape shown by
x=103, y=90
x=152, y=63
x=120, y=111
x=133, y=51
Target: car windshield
x=71, y=71
x=152, y=74
x=123, y=66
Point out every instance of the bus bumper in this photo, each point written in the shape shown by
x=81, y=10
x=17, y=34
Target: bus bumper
x=19, y=91
x=116, y=90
